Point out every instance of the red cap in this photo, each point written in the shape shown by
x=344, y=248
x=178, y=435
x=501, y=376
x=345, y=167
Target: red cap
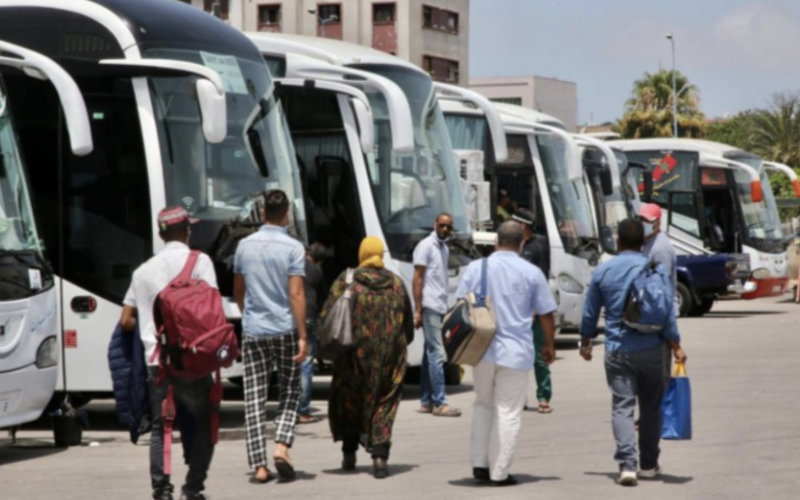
x=171, y=216
x=650, y=212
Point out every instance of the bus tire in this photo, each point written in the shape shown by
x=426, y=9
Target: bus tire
x=704, y=306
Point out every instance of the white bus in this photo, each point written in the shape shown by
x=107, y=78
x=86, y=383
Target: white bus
x=718, y=199
x=542, y=172
x=28, y=298
x=182, y=111
x=374, y=151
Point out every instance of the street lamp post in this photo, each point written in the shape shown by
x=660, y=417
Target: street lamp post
x=674, y=92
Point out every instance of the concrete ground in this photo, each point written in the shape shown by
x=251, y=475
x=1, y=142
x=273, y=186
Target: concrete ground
x=745, y=376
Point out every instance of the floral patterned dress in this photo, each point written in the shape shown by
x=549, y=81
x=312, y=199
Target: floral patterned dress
x=368, y=380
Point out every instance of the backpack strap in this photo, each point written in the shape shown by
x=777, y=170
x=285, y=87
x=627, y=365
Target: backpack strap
x=167, y=419
x=186, y=272
x=215, y=400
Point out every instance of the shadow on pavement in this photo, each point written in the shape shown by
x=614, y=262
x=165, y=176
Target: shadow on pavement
x=521, y=479
x=26, y=449
x=394, y=470
x=663, y=478
x=738, y=314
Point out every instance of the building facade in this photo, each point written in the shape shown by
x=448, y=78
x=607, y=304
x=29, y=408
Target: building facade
x=433, y=34
x=548, y=95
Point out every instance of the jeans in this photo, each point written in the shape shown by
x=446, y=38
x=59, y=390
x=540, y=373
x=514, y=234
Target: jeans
x=431, y=384
x=307, y=371
x=192, y=397
x=544, y=388
x=633, y=375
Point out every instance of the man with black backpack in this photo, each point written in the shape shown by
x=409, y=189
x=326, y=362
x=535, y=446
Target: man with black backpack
x=149, y=280
x=639, y=319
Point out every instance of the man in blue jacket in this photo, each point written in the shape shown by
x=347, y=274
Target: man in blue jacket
x=634, y=361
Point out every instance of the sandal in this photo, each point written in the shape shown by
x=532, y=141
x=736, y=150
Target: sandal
x=256, y=480
x=446, y=411
x=425, y=409
x=285, y=469
x=544, y=407
x=306, y=419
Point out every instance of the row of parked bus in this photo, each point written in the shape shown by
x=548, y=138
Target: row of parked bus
x=108, y=113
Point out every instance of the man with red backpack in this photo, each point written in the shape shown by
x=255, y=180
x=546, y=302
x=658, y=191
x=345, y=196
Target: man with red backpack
x=193, y=395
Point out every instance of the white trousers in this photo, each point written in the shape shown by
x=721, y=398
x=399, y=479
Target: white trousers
x=497, y=413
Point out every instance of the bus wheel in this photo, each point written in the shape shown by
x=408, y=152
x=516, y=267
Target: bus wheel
x=705, y=305
x=685, y=302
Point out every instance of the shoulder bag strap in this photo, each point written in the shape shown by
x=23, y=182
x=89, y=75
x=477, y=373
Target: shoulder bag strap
x=482, y=296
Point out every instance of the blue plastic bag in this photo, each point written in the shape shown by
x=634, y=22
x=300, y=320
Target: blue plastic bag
x=676, y=406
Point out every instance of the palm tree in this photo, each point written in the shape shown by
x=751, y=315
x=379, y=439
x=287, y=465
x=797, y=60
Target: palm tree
x=648, y=113
x=776, y=131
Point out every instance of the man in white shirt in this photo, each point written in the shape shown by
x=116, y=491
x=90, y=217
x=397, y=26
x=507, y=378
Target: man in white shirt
x=430, y=304
x=149, y=279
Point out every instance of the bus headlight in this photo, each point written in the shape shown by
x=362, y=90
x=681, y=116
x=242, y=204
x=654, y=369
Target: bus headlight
x=47, y=354
x=569, y=284
x=761, y=273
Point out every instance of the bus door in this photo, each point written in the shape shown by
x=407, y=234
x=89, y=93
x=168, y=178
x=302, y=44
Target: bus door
x=722, y=233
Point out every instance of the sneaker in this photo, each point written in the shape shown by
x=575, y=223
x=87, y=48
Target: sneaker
x=650, y=473
x=193, y=496
x=627, y=478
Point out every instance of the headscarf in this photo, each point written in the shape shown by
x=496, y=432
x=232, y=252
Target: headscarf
x=370, y=252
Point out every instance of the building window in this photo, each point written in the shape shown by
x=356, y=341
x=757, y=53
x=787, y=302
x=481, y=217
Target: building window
x=329, y=13
x=329, y=20
x=507, y=100
x=441, y=69
x=439, y=19
x=269, y=18
x=383, y=13
x=218, y=8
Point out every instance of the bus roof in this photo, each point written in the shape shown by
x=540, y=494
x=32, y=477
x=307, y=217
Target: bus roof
x=671, y=143
x=331, y=51
x=512, y=112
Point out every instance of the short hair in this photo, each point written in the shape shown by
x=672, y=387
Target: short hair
x=444, y=214
x=509, y=234
x=631, y=234
x=276, y=204
x=318, y=252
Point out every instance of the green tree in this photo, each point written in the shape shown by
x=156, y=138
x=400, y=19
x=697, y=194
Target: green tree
x=648, y=113
x=736, y=131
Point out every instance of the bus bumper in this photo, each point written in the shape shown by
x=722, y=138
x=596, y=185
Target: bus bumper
x=767, y=287
x=24, y=394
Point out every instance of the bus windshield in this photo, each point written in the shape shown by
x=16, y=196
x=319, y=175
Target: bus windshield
x=17, y=230
x=569, y=199
x=412, y=189
x=762, y=223
x=468, y=131
x=216, y=181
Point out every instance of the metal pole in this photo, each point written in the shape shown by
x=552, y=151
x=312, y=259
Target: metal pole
x=674, y=91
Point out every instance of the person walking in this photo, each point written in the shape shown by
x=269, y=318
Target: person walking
x=518, y=290
x=367, y=380
x=536, y=251
x=634, y=361
x=268, y=286
x=430, y=303
x=314, y=257
x=192, y=396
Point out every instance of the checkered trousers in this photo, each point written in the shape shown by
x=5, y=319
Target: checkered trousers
x=261, y=356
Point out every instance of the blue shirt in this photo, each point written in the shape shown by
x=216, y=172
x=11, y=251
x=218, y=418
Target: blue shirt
x=659, y=250
x=609, y=290
x=518, y=290
x=432, y=254
x=266, y=259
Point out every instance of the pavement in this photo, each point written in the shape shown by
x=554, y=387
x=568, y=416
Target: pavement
x=745, y=378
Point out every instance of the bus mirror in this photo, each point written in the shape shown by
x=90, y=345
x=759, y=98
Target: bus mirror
x=366, y=130
x=212, y=111
x=647, y=180
x=595, y=164
x=756, y=192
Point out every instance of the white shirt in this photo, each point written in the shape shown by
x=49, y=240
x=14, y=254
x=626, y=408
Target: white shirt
x=432, y=254
x=152, y=277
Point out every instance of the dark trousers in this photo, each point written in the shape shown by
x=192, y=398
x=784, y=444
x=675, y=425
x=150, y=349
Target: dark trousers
x=192, y=396
x=350, y=445
x=632, y=376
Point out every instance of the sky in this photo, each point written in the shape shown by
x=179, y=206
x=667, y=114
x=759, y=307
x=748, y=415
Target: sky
x=738, y=53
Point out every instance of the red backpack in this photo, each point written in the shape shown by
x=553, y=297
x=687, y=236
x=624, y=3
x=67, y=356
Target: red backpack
x=194, y=340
